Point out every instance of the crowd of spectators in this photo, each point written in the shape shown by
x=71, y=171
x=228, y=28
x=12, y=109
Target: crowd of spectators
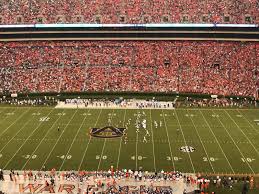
x=128, y=11
x=216, y=102
x=111, y=181
x=121, y=181
x=222, y=68
x=244, y=184
x=26, y=101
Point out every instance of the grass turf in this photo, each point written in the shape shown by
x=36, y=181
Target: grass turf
x=223, y=140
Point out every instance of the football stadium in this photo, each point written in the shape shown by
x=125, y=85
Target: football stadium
x=129, y=97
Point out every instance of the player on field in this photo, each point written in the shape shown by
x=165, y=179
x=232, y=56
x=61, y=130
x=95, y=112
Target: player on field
x=155, y=123
x=161, y=123
x=129, y=121
x=109, y=121
x=125, y=140
x=144, y=124
x=144, y=139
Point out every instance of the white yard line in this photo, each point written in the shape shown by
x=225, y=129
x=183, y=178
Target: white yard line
x=121, y=140
x=168, y=139
x=73, y=141
x=184, y=140
x=217, y=142
x=248, y=122
x=100, y=160
x=42, y=141
x=99, y=163
x=58, y=140
x=26, y=140
x=89, y=142
x=153, y=145
x=242, y=132
x=13, y=137
x=14, y=121
x=136, y=165
x=242, y=155
x=207, y=155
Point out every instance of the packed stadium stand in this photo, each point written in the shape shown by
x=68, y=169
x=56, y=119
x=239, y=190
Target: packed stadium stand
x=197, y=49
x=128, y=11
x=226, y=68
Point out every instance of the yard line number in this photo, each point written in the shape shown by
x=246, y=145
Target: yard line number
x=36, y=113
x=10, y=113
x=68, y=157
x=175, y=158
x=61, y=114
x=30, y=156
x=44, y=119
x=97, y=157
x=212, y=159
x=247, y=159
x=138, y=157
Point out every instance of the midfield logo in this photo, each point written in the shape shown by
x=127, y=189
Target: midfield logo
x=107, y=132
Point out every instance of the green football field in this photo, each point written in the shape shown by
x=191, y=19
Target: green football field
x=188, y=140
